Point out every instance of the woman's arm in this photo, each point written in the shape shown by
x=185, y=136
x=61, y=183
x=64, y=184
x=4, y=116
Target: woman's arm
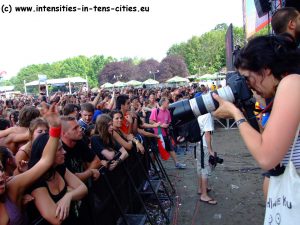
x=78, y=191
x=124, y=154
x=109, y=155
x=270, y=147
x=121, y=141
x=21, y=182
x=21, y=156
x=79, y=188
x=45, y=205
x=153, y=125
x=147, y=134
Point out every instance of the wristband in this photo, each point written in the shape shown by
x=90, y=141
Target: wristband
x=55, y=132
x=239, y=122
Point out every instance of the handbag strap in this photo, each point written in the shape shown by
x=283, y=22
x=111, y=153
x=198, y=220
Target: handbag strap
x=294, y=143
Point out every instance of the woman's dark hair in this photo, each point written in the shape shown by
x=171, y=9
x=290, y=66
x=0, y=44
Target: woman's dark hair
x=14, y=116
x=5, y=154
x=38, y=147
x=102, y=124
x=112, y=113
x=121, y=100
x=274, y=52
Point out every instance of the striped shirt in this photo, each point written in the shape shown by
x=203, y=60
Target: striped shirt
x=295, y=156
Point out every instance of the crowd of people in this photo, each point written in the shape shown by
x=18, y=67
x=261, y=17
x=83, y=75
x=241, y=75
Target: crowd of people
x=52, y=146
x=78, y=135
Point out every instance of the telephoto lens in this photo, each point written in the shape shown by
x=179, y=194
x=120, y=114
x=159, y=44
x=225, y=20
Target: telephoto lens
x=237, y=92
x=186, y=110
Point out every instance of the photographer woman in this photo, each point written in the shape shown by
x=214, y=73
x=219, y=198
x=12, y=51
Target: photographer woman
x=271, y=68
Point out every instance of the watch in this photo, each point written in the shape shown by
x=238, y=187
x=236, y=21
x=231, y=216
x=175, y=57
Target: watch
x=239, y=122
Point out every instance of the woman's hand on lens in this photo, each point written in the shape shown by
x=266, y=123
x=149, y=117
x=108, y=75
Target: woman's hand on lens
x=226, y=109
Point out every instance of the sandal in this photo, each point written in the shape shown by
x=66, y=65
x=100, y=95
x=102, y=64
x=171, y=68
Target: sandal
x=210, y=201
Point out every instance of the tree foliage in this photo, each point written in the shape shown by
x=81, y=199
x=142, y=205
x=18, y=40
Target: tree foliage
x=147, y=68
x=172, y=65
x=200, y=54
x=206, y=53
x=123, y=71
x=77, y=66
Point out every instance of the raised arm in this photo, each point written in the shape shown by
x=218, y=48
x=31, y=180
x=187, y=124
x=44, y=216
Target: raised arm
x=21, y=182
x=16, y=137
x=6, y=132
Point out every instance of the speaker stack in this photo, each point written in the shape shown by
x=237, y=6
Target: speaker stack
x=262, y=7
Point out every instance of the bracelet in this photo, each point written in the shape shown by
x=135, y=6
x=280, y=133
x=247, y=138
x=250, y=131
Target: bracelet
x=55, y=132
x=136, y=141
x=239, y=122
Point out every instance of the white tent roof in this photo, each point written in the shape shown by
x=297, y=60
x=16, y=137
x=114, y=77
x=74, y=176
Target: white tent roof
x=134, y=83
x=177, y=79
x=107, y=85
x=58, y=81
x=119, y=84
x=150, y=81
x=7, y=88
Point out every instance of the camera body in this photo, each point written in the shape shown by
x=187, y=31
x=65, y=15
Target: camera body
x=214, y=160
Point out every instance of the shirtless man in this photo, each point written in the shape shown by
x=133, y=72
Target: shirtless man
x=14, y=137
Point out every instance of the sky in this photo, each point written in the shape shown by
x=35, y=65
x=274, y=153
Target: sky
x=46, y=37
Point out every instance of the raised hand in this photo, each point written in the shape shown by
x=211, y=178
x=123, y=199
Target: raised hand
x=51, y=115
x=129, y=118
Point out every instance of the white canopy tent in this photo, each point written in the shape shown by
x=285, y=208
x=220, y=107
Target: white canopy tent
x=119, y=84
x=7, y=88
x=177, y=79
x=61, y=81
x=150, y=82
x=134, y=83
x=58, y=81
x=107, y=85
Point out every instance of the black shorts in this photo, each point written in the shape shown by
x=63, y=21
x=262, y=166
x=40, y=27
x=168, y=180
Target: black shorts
x=168, y=145
x=278, y=170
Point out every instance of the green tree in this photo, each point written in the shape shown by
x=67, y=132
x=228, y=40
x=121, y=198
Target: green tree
x=206, y=53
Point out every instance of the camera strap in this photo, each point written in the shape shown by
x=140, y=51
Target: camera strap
x=201, y=151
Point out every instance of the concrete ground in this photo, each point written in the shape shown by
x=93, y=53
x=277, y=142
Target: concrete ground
x=237, y=186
